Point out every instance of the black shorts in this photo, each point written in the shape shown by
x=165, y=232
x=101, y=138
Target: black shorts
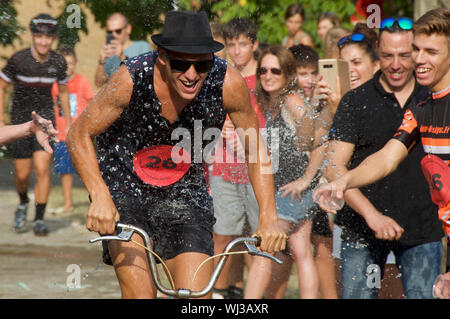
x=320, y=223
x=25, y=147
x=174, y=228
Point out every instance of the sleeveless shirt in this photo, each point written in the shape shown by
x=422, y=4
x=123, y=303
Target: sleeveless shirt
x=141, y=126
x=288, y=162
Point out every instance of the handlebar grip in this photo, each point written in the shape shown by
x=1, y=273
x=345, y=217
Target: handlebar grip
x=258, y=241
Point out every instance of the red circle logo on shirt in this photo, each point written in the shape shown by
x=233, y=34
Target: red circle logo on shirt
x=161, y=165
x=437, y=174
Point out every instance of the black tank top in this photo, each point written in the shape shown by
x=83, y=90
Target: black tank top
x=141, y=126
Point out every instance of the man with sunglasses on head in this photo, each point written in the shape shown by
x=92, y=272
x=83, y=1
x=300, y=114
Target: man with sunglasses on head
x=146, y=176
x=427, y=121
x=118, y=47
x=32, y=72
x=396, y=213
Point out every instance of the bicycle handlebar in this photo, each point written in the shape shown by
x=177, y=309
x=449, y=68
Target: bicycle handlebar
x=127, y=231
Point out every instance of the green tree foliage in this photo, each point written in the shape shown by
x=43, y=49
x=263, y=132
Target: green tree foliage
x=269, y=14
x=399, y=8
x=143, y=15
x=71, y=21
x=9, y=27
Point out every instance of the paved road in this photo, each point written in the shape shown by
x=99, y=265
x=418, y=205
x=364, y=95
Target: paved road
x=47, y=267
x=52, y=266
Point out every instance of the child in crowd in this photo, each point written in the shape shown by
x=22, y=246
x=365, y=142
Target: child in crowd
x=309, y=81
x=81, y=93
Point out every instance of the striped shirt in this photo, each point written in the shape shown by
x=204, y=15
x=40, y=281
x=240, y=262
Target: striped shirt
x=32, y=81
x=428, y=121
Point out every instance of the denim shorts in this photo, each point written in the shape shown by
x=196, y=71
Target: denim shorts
x=296, y=210
x=63, y=163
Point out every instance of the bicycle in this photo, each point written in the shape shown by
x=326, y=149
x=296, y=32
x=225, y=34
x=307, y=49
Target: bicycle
x=126, y=232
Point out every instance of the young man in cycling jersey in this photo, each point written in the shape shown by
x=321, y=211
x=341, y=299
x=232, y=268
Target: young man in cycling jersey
x=427, y=121
x=144, y=177
x=32, y=71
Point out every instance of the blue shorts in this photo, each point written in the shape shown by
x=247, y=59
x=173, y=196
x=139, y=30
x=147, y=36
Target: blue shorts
x=297, y=210
x=63, y=163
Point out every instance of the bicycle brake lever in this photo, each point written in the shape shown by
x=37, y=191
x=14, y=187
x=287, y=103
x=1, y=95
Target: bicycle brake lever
x=252, y=250
x=124, y=235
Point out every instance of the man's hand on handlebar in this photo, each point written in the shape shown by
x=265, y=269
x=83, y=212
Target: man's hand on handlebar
x=273, y=238
x=125, y=233
x=102, y=215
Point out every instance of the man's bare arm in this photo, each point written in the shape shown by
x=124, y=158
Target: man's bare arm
x=377, y=166
x=383, y=226
x=42, y=128
x=374, y=168
x=101, y=112
x=100, y=76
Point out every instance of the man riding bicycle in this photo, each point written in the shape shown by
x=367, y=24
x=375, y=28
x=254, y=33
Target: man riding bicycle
x=144, y=176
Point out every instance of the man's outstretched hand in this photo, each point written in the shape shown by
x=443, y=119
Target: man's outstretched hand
x=44, y=131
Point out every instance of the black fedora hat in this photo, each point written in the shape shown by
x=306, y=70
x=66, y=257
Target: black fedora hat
x=187, y=32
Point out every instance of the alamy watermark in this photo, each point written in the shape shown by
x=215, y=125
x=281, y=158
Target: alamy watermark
x=374, y=19
x=373, y=273
x=73, y=280
x=255, y=140
x=74, y=19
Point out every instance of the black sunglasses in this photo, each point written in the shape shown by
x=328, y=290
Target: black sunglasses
x=275, y=71
x=118, y=31
x=178, y=65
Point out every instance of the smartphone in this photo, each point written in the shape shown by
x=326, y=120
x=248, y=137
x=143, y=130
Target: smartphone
x=109, y=38
x=330, y=69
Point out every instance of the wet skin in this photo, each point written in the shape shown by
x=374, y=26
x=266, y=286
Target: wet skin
x=174, y=90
